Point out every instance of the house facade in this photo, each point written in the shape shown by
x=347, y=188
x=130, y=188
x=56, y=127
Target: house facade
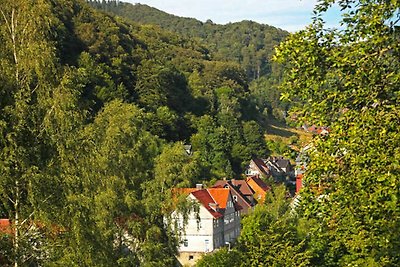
x=216, y=223
x=258, y=167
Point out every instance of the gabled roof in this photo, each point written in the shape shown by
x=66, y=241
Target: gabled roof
x=242, y=186
x=220, y=195
x=256, y=183
x=283, y=163
x=177, y=193
x=262, y=166
x=236, y=186
x=205, y=199
x=245, y=199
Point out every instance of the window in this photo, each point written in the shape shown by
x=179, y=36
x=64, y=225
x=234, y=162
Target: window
x=190, y=257
x=235, y=198
x=185, y=243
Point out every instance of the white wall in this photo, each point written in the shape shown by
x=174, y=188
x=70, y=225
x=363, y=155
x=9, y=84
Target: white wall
x=208, y=233
x=199, y=234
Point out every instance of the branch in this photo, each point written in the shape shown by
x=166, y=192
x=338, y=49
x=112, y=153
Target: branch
x=7, y=23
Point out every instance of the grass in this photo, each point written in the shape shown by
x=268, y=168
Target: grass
x=279, y=132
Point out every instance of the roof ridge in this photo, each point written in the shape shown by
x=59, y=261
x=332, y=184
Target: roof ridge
x=211, y=196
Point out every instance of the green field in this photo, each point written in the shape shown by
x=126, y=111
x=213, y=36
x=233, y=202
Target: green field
x=279, y=132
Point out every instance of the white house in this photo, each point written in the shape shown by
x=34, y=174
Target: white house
x=216, y=224
x=257, y=167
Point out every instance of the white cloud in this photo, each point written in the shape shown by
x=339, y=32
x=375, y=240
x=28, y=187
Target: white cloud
x=290, y=15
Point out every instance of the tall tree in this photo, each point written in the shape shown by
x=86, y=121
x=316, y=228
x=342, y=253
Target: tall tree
x=27, y=72
x=348, y=79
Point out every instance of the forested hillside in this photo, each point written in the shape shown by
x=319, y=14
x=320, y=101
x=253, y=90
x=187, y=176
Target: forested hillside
x=95, y=111
x=248, y=43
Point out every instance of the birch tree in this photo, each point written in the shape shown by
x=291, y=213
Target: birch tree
x=26, y=71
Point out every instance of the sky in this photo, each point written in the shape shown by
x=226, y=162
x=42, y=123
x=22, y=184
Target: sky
x=290, y=15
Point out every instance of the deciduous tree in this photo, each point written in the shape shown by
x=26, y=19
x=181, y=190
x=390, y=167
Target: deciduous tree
x=348, y=79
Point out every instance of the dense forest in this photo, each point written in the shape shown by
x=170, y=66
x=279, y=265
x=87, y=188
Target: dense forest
x=248, y=43
x=95, y=110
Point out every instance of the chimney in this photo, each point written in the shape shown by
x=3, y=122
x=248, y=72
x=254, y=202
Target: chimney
x=199, y=186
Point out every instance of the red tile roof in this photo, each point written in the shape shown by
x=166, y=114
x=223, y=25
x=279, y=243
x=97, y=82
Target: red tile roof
x=258, y=186
x=243, y=187
x=204, y=197
x=220, y=183
x=237, y=186
x=260, y=183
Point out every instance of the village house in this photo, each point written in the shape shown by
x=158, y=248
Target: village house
x=241, y=192
x=259, y=187
x=216, y=223
x=279, y=167
x=259, y=168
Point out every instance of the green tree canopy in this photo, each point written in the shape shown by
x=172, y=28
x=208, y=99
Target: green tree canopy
x=348, y=79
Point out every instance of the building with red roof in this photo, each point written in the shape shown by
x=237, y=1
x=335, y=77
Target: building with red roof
x=214, y=224
x=241, y=192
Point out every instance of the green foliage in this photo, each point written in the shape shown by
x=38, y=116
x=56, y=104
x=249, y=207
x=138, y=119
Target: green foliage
x=89, y=107
x=254, y=139
x=174, y=168
x=270, y=236
x=265, y=95
x=221, y=258
x=349, y=81
x=248, y=43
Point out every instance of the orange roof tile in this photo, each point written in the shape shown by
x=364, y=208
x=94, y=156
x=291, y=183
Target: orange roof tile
x=260, y=183
x=205, y=199
x=258, y=186
x=220, y=195
x=183, y=191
